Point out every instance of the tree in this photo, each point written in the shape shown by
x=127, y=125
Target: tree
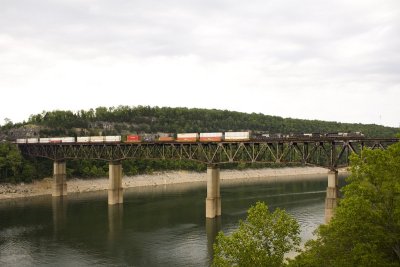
x=261, y=240
x=366, y=228
x=10, y=162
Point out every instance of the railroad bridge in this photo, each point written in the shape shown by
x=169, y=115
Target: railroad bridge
x=328, y=152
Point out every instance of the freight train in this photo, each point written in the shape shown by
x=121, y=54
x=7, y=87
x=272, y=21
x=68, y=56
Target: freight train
x=144, y=138
x=184, y=137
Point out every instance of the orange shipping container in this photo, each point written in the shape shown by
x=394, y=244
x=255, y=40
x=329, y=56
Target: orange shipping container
x=165, y=138
x=210, y=139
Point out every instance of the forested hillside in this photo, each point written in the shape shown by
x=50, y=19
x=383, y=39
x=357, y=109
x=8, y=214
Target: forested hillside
x=125, y=119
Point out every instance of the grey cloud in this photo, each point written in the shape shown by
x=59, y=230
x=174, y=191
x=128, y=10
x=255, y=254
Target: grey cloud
x=291, y=44
x=210, y=29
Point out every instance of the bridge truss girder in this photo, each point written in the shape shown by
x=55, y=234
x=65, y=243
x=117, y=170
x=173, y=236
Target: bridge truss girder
x=325, y=153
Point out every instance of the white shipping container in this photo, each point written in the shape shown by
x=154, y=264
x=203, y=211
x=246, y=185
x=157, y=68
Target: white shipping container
x=55, y=139
x=116, y=138
x=237, y=135
x=67, y=139
x=44, y=140
x=83, y=139
x=96, y=139
x=32, y=140
x=210, y=135
x=187, y=135
x=21, y=141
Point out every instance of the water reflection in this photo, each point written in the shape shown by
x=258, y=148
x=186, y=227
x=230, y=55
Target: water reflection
x=59, y=209
x=115, y=226
x=213, y=226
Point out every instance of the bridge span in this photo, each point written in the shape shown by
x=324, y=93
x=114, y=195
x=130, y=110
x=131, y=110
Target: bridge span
x=327, y=152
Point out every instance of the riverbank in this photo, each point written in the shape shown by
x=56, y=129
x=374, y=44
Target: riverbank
x=44, y=187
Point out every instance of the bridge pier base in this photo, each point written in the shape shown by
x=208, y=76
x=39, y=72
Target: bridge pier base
x=115, y=190
x=59, y=179
x=213, y=200
x=332, y=195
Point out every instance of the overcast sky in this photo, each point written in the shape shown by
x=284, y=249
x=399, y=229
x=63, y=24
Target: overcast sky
x=312, y=59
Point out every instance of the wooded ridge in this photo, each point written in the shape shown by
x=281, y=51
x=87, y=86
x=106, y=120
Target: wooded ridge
x=146, y=119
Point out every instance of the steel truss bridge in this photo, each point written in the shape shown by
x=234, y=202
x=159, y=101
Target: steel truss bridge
x=322, y=151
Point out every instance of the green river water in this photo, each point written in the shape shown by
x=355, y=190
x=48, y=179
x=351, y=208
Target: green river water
x=155, y=226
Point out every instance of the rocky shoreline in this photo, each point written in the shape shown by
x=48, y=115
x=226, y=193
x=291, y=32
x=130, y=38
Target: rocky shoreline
x=44, y=187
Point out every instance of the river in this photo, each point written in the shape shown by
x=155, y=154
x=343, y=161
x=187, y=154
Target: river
x=155, y=226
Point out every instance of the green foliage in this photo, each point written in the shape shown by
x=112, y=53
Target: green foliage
x=261, y=240
x=10, y=161
x=365, y=230
x=13, y=167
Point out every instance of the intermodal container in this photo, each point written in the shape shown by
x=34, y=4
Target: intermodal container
x=67, y=139
x=166, y=138
x=237, y=136
x=61, y=140
x=115, y=138
x=21, y=141
x=44, y=140
x=187, y=137
x=83, y=139
x=132, y=138
x=211, y=137
x=55, y=140
x=32, y=140
x=96, y=139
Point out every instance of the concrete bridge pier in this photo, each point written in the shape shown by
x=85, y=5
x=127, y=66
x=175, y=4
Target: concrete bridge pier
x=115, y=191
x=59, y=179
x=332, y=195
x=213, y=200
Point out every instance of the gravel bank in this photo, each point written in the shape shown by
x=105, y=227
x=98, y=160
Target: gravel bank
x=43, y=187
